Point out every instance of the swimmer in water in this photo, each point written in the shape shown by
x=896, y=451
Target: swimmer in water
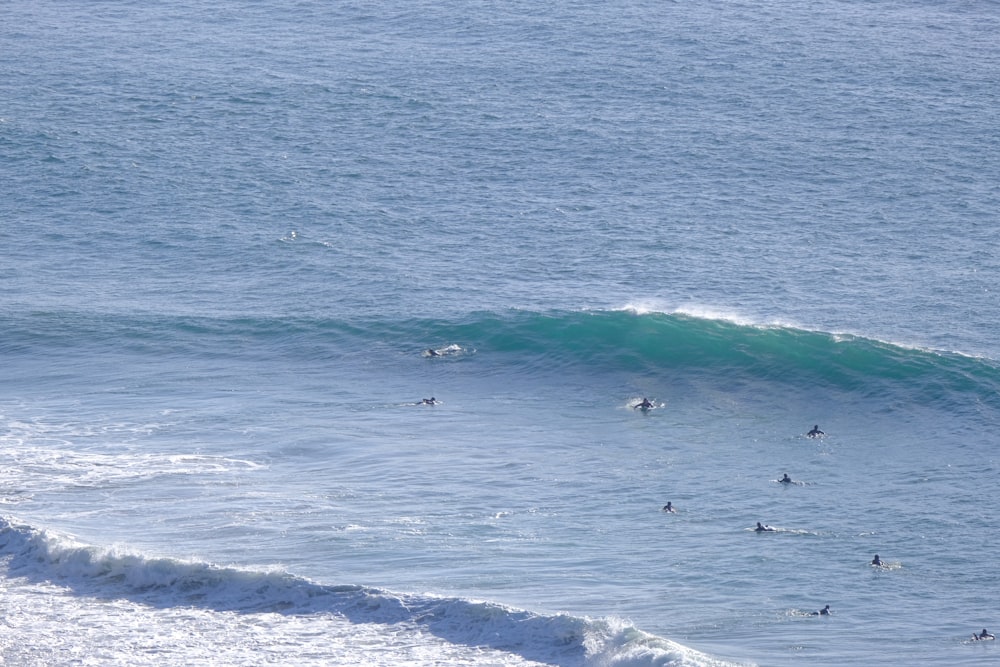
x=763, y=529
x=877, y=562
x=644, y=405
x=825, y=611
x=431, y=353
x=815, y=432
x=669, y=508
x=786, y=479
x=429, y=401
x=983, y=635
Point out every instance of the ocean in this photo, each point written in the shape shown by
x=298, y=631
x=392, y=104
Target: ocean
x=243, y=241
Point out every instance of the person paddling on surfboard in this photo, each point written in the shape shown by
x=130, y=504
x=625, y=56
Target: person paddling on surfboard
x=669, y=507
x=815, y=432
x=983, y=635
x=643, y=405
x=786, y=479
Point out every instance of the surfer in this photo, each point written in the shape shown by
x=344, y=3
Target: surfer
x=786, y=479
x=815, y=432
x=983, y=635
x=643, y=405
x=825, y=611
x=763, y=529
x=432, y=353
x=669, y=508
x=877, y=562
x=429, y=401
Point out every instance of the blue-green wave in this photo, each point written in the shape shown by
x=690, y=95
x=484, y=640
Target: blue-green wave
x=604, y=341
x=678, y=343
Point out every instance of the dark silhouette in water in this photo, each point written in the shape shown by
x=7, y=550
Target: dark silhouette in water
x=815, y=432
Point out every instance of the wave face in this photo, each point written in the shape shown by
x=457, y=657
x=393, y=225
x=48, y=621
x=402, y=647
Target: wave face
x=37, y=555
x=670, y=342
x=675, y=345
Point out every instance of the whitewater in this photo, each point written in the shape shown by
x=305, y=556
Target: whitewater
x=242, y=243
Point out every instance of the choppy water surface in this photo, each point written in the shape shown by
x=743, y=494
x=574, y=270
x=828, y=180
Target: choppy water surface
x=231, y=233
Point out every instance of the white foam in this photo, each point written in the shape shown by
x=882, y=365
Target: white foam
x=617, y=643
x=702, y=312
x=48, y=455
x=95, y=590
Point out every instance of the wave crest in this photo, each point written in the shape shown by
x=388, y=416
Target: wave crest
x=719, y=347
x=558, y=639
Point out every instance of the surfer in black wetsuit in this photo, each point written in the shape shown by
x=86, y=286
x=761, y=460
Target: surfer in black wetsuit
x=763, y=529
x=644, y=405
x=983, y=635
x=786, y=479
x=429, y=401
x=877, y=562
x=825, y=611
x=431, y=353
x=815, y=432
x=668, y=507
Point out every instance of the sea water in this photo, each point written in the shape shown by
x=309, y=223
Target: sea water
x=232, y=231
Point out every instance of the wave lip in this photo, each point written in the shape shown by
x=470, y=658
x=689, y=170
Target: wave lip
x=559, y=639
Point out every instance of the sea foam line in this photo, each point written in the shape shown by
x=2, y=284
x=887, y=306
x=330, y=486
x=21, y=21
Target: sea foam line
x=36, y=555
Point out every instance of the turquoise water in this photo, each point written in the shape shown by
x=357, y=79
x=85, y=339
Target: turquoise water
x=231, y=233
